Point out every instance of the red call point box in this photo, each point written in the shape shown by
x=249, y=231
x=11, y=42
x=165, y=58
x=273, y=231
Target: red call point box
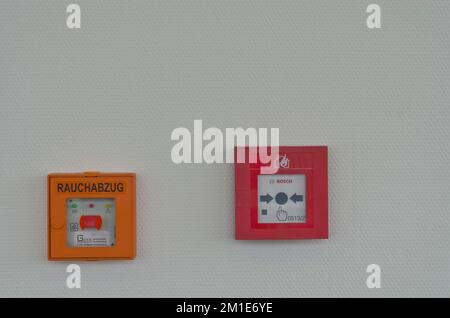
x=290, y=204
x=91, y=216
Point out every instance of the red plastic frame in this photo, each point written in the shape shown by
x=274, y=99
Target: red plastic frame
x=311, y=161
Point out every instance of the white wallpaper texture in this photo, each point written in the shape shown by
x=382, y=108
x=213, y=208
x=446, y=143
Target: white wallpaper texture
x=107, y=97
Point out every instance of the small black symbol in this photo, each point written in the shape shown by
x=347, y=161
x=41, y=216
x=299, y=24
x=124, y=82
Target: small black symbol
x=281, y=198
x=265, y=198
x=296, y=197
x=263, y=212
x=282, y=215
x=79, y=238
x=73, y=227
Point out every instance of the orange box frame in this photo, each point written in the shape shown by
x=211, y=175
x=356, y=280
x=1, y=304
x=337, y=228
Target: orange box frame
x=125, y=247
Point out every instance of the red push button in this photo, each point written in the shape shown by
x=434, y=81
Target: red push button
x=91, y=221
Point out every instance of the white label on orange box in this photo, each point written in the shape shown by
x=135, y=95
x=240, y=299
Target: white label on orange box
x=281, y=198
x=91, y=238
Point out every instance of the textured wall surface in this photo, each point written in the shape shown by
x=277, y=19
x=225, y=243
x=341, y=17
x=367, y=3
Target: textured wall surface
x=107, y=97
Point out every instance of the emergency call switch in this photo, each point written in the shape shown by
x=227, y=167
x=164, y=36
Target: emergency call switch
x=290, y=204
x=281, y=198
x=91, y=216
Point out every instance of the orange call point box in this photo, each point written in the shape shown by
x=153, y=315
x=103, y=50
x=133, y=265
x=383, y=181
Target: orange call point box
x=91, y=216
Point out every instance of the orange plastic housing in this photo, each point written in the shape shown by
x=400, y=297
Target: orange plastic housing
x=65, y=186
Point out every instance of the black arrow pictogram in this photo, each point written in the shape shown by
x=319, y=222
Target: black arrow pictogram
x=296, y=197
x=265, y=198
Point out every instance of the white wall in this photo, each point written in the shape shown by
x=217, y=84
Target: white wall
x=107, y=97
